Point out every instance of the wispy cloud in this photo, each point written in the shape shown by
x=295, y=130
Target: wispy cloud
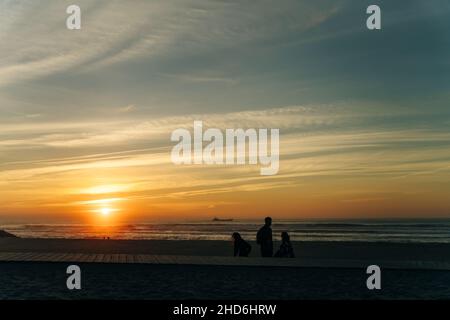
x=315, y=141
x=93, y=109
x=127, y=109
x=35, y=42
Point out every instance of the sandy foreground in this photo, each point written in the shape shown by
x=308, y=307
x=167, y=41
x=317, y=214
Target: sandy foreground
x=33, y=280
x=303, y=250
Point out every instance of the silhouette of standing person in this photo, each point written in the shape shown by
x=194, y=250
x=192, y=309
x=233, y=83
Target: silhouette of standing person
x=264, y=238
x=286, y=250
x=241, y=247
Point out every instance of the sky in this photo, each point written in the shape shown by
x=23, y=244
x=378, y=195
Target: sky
x=86, y=115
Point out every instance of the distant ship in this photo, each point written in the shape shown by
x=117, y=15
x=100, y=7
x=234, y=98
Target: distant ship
x=221, y=220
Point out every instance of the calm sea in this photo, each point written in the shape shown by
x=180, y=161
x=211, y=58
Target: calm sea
x=390, y=231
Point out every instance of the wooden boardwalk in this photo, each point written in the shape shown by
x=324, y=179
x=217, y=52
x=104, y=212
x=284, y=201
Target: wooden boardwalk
x=215, y=261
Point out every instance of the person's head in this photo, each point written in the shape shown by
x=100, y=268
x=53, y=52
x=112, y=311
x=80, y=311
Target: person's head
x=268, y=221
x=236, y=236
x=285, y=237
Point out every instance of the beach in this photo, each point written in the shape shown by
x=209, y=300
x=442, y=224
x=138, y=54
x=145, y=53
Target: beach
x=130, y=281
x=44, y=280
x=370, y=251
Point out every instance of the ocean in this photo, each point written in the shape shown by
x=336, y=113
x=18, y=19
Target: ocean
x=435, y=231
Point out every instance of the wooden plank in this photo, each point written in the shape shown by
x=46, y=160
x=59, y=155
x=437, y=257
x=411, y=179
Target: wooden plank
x=44, y=257
x=20, y=256
x=163, y=259
x=122, y=258
x=85, y=257
x=107, y=258
x=75, y=257
x=91, y=257
x=149, y=259
x=36, y=256
x=219, y=261
x=7, y=256
x=99, y=258
x=62, y=257
x=115, y=258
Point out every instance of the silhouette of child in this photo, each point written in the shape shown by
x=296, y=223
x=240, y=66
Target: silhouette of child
x=286, y=250
x=241, y=247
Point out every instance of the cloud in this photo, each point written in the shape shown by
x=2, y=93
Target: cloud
x=127, y=109
x=315, y=141
x=199, y=78
x=84, y=134
x=35, y=42
x=96, y=107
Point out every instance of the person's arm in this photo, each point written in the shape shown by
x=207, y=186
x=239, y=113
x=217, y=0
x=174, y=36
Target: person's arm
x=258, y=237
x=236, y=248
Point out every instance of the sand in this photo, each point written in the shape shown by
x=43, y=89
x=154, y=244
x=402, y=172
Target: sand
x=33, y=280
x=161, y=282
x=303, y=250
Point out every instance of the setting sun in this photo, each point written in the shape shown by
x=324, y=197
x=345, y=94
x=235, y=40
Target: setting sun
x=105, y=211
